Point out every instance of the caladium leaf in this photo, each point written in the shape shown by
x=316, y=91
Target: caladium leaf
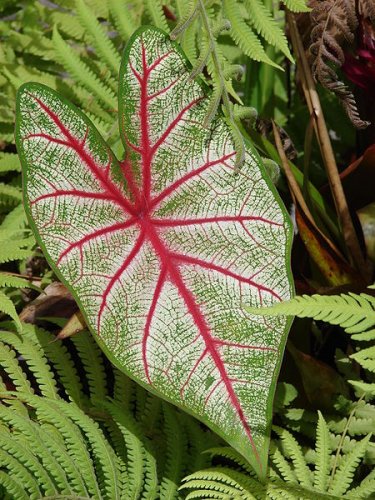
x=162, y=249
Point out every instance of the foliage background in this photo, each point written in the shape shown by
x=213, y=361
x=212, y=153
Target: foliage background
x=103, y=436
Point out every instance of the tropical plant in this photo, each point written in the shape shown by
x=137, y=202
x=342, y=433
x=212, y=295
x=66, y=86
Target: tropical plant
x=140, y=255
x=74, y=426
x=62, y=401
x=355, y=313
x=291, y=474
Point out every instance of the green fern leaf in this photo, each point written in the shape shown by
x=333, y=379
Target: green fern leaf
x=123, y=390
x=10, y=365
x=366, y=336
x=68, y=24
x=122, y=16
x=35, y=360
x=10, y=191
x=27, y=458
x=295, y=452
x=9, y=162
x=354, y=313
x=345, y=472
x=366, y=358
x=134, y=446
x=265, y=25
x=92, y=360
x=231, y=454
x=7, y=280
x=281, y=464
x=176, y=453
x=243, y=35
x=104, y=454
x=81, y=72
x=365, y=490
x=323, y=455
x=7, y=307
x=48, y=411
x=363, y=387
x=16, y=218
x=13, y=487
x=20, y=473
x=98, y=37
x=155, y=10
x=13, y=251
x=296, y=5
x=55, y=445
x=30, y=433
x=61, y=360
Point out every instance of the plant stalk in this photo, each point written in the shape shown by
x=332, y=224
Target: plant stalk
x=350, y=237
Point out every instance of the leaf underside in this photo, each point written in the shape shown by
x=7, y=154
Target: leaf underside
x=162, y=249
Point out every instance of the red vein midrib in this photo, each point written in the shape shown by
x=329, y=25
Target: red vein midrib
x=173, y=187
x=87, y=159
x=208, y=220
x=175, y=276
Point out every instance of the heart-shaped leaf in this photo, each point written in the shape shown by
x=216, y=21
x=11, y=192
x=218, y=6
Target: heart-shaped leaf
x=162, y=250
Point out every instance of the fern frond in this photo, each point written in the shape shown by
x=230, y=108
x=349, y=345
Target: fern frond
x=363, y=337
x=27, y=459
x=225, y=481
x=98, y=37
x=295, y=452
x=134, y=446
x=151, y=473
x=9, y=162
x=363, y=387
x=199, y=441
x=296, y=5
x=92, y=359
x=155, y=10
x=10, y=281
x=122, y=16
x=80, y=71
x=123, y=390
x=61, y=360
x=20, y=473
x=48, y=411
x=10, y=192
x=35, y=360
x=323, y=455
x=353, y=312
x=282, y=465
x=176, y=451
x=16, y=218
x=266, y=26
x=366, y=358
x=29, y=432
x=14, y=250
x=231, y=454
x=364, y=491
x=243, y=35
x=104, y=454
x=68, y=24
x=345, y=472
x=7, y=307
x=187, y=12
x=13, y=487
x=9, y=363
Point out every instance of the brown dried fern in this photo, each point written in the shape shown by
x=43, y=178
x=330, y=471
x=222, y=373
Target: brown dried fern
x=335, y=22
x=366, y=9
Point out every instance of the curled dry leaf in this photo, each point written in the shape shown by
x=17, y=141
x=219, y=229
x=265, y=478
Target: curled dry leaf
x=335, y=22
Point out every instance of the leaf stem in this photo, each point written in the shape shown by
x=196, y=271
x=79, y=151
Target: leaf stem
x=240, y=153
